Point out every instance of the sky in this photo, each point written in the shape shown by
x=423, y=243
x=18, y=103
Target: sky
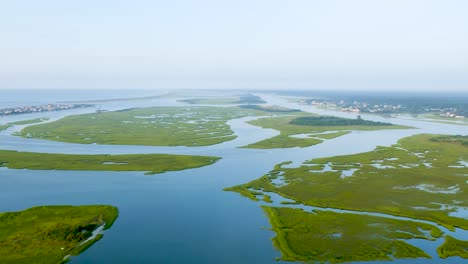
x=377, y=45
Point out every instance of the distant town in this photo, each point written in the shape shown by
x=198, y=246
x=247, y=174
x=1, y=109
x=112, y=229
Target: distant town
x=40, y=108
x=388, y=108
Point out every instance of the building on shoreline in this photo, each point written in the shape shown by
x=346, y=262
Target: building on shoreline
x=40, y=108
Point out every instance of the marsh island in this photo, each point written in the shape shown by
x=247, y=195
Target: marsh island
x=423, y=177
x=154, y=126
x=51, y=234
x=150, y=163
x=299, y=129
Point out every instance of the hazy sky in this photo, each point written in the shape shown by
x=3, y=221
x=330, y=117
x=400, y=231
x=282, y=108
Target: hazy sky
x=267, y=44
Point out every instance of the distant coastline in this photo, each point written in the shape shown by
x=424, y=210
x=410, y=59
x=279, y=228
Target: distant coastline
x=41, y=108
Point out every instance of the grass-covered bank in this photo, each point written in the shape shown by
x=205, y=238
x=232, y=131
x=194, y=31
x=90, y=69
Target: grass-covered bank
x=22, y=122
x=151, y=163
x=48, y=234
x=328, y=237
x=453, y=247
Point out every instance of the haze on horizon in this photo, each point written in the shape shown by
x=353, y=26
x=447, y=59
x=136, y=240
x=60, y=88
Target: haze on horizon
x=416, y=45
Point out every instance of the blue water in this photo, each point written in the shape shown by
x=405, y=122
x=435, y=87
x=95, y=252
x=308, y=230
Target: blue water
x=178, y=217
x=23, y=97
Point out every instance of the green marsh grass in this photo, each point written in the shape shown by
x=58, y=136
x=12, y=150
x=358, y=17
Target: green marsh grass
x=47, y=234
x=151, y=163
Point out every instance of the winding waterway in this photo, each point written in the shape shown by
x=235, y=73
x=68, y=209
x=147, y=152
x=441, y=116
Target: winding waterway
x=184, y=216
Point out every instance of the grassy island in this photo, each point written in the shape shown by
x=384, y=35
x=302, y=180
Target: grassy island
x=154, y=126
x=151, y=163
x=49, y=234
x=305, y=130
x=422, y=177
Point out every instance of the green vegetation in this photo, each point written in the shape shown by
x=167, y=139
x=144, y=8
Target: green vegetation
x=334, y=121
x=452, y=139
x=419, y=175
x=250, y=99
x=293, y=134
x=422, y=177
x=151, y=163
x=282, y=141
x=48, y=234
x=23, y=122
x=331, y=237
x=187, y=126
x=453, y=247
x=155, y=126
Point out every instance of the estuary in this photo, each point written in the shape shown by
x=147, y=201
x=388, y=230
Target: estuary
x=182, y=216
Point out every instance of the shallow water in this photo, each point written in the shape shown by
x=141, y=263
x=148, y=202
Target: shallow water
x=184, y=216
